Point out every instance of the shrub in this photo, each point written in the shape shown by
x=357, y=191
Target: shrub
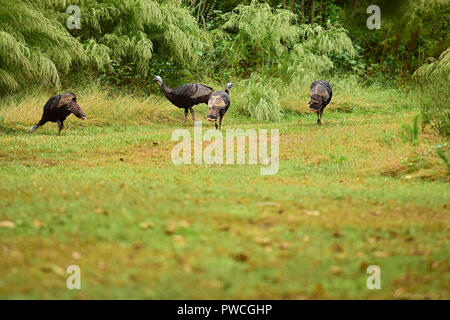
x=261, y=35
x=260, y=100
x=433, y=79
x=35, y=44
x=258, y=37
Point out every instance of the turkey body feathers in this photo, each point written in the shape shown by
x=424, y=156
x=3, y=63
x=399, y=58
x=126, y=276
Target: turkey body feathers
x=323, y=89
x=188, y=95
x=218, y=104
x=321, y=93
x=185, y=96
x=219, y=100
x=54, y=108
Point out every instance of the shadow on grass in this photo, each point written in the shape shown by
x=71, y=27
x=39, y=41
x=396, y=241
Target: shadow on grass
x=11, y=130
x=14, y=131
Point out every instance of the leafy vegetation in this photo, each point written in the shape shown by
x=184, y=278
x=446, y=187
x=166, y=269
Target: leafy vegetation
x=434, y=83
x=33, y=46
x=411, y=32
x=36, y=45
x=260, y=35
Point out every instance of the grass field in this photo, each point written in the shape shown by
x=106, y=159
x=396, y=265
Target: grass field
x=106, y=196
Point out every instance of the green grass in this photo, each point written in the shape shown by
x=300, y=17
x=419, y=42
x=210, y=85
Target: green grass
x=105, y=196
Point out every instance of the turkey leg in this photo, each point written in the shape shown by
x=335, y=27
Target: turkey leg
x=193, y=114
x=185, y=115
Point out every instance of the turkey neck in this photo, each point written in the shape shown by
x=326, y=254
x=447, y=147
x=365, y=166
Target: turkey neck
x=165, y=88
x=167, y=92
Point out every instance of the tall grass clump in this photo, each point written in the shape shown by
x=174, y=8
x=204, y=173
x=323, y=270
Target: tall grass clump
x=433, y=79
x=444, y=157
x=411, y=131
x=260, y=100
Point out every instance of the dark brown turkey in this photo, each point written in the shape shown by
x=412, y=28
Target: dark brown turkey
x=320, y=93
x=186, y=96
x=218, y=104
x=58, y=108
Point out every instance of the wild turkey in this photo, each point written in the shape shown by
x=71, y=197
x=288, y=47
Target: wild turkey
x=218, y=104
x=320, y=93
x=186, y=96
x=58, y=108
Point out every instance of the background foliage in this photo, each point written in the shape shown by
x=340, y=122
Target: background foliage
x=285, y=44
x=434, y=83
